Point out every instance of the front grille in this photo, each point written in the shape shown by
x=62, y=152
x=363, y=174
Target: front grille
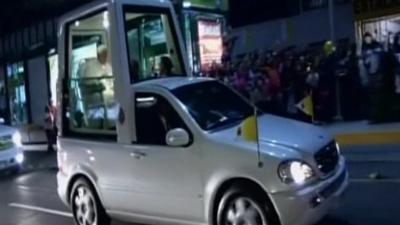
x=327, y=158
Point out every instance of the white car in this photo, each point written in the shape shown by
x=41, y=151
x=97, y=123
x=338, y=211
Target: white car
x=11, y=155
x=174, y=151
x=197, y=170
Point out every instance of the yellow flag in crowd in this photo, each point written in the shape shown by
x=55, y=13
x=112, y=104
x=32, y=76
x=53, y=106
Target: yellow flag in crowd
x=306, y=105
x=248, y=129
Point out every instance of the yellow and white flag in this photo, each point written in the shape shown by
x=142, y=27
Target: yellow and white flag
x=248, y=129
x=306, y=105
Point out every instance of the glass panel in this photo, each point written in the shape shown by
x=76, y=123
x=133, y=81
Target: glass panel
x=17, y=95
x=3, y=98
x=152, y=48
x=53, y=68
x=92, y=106
x=225, y=5
x=211, y=4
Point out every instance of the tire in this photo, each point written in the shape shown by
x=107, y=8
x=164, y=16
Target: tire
x=86, y=206
x=241, y=206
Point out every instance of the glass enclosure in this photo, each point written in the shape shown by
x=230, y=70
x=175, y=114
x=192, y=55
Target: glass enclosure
x=53, y=70
x=152, y=44
x=17, y=93
x=92, y=107
x=3, y=99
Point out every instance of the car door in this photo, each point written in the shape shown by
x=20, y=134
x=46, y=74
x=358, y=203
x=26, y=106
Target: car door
x=108, y=163
x=166, y=180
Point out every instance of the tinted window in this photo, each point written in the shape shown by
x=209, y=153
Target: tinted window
x=154, y=118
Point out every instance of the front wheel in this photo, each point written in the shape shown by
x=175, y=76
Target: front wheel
x=86, y=206
x=241, y=207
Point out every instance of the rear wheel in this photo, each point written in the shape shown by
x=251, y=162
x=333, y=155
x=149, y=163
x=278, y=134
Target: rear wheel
x=239, y=206
x=86, y=205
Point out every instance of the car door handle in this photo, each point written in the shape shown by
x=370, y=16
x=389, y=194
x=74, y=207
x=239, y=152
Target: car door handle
x=138, y=155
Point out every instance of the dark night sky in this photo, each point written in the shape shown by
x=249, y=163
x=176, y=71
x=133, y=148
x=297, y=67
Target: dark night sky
x=15, y=14
x=243, y=12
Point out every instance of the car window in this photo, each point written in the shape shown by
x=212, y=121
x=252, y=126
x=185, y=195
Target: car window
x=213, y=105
x=155, y=116
x=91, y=106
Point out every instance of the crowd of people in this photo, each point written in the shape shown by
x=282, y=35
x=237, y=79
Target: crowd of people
x=342, y=82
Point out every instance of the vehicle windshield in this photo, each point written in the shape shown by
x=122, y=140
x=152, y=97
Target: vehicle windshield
x=213, y=105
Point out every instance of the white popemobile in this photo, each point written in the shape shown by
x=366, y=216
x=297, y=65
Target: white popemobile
x=140, y=148
x=11, y=155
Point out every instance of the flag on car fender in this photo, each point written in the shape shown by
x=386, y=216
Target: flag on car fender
x=248, y=129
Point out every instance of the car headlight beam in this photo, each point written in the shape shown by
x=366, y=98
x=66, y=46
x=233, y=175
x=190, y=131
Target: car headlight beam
x=17, y=139
x=295, y=172
x=20, y=158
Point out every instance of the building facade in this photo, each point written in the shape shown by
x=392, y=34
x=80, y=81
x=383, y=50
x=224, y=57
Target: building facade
x=310, y=22
x=379, y=18
x=24, y=73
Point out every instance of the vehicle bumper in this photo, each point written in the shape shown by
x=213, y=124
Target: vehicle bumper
x=13, y=168
x=62, y=187
x=302, y=207
x=8, y=159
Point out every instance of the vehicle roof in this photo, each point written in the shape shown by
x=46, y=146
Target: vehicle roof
x=171, y=83
x=99, y=4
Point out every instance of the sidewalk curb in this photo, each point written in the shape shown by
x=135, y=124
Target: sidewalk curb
x=368, y=138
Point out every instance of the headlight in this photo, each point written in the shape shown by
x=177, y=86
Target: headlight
x=17, y=139
x=295, y=172
x=20, y=158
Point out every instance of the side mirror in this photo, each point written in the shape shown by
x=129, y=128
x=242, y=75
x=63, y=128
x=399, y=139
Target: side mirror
x=177, y=138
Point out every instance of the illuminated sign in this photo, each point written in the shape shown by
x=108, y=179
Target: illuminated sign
x=210, y=43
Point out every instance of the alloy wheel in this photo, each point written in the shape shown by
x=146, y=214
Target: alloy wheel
x=244, y=211
x=85, y=207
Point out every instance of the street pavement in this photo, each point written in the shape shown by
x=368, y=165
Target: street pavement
x=30, y=198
